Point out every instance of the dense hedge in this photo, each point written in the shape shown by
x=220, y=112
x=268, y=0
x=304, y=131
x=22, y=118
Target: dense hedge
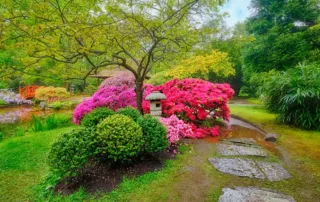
x=295, y=96
x=154, y=134
x=120, y=138
x=94, y=117
x=69, y=155
x=130, y=112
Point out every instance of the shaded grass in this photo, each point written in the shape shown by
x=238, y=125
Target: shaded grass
x=23, y=163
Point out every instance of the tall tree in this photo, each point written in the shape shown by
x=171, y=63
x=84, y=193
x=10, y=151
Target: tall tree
x=281, y=29
x=131, y=34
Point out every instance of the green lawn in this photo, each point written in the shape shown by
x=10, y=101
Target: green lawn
x=22, y=163
x=188, y=178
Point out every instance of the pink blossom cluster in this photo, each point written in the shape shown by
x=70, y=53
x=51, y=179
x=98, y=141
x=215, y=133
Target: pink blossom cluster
x=119, y=78
x=194, y=99
x=176, y=128
x=113, y=97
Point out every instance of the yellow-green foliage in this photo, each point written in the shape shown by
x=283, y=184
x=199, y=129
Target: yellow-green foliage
x=47, y=93
x=198, y=67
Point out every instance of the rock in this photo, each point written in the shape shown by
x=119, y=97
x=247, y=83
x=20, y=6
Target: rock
x=43, y=105
x=234, y=150
x=250, y=168
x=273, y=171
x=253, y=194
x=248, y=141
x=271, y=137
x=237, y=166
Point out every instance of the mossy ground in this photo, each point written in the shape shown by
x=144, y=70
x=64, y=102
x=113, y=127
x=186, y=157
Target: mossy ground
x=188, y=178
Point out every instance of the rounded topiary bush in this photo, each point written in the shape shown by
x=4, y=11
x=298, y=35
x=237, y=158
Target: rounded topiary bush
x=94, y=117
x=131, y=112
x=120, y=138
x=69, y=155
x=154, y=134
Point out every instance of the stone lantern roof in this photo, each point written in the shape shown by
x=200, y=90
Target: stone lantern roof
x=156, y=95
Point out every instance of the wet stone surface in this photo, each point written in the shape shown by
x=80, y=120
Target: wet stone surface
x=250, y=168
x=248, y=141
x=240, y=150
x=253, y=194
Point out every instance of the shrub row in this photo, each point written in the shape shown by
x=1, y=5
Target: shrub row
x=107, y=136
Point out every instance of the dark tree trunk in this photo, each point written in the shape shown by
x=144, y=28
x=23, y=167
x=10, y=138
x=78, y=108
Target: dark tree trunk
x=139, y=93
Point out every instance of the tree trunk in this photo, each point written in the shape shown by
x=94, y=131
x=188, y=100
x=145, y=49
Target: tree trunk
x=139, y=93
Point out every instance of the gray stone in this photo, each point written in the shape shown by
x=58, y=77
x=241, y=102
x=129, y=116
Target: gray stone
x=249, y=141
x=253, y=194
x=250, y=168
x=237, y=166
x=271, y=137
x=234, y=150
x=273, y=171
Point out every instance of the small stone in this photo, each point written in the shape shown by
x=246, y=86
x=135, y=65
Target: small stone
x=273, y=171
x=237, y=166
x=238, y=150
x=271, y=137
x=253, y=194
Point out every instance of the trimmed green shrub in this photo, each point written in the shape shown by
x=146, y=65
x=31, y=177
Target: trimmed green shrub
x=295, y=96
x=94, y=117
x=131, y=112
x=120, y=139
x=154, y=134
x=69, y=155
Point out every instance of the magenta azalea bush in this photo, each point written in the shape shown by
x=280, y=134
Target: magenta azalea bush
x=120, y=78
x=113, y=97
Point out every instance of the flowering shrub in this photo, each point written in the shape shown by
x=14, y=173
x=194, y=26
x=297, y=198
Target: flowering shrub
x=51, y=93
x=193, y=99
x=9, y=97
x=176, y=129
x=120, y=78
x=113, y=97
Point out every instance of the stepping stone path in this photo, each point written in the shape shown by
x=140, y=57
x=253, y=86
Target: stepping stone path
x=239, y=150
x=245, y=167
x=253, y=194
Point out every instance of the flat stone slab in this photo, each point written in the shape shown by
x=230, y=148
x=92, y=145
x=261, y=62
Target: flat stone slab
x=249, y=141
x=237, y=166
x=250, y=168
x=273, y=171
x=253, y=194
x=239, y=150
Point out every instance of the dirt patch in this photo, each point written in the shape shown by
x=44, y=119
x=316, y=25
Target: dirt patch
x=102, y=178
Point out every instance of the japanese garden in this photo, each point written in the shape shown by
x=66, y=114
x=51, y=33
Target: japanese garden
x=160, y=100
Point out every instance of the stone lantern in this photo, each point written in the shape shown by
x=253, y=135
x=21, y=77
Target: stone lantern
x=155, y=103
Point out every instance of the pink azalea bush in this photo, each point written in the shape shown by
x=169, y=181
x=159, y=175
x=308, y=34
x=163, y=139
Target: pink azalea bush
x=193, y=100
x=176, y=128
x=120, y=78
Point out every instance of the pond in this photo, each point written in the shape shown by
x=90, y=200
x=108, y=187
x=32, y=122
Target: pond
x=237, y=128
x=16, y=113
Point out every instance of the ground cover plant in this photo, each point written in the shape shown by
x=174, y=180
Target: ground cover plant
x=53, y=121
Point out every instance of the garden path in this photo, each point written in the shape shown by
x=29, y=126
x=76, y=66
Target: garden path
x=242, y=153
